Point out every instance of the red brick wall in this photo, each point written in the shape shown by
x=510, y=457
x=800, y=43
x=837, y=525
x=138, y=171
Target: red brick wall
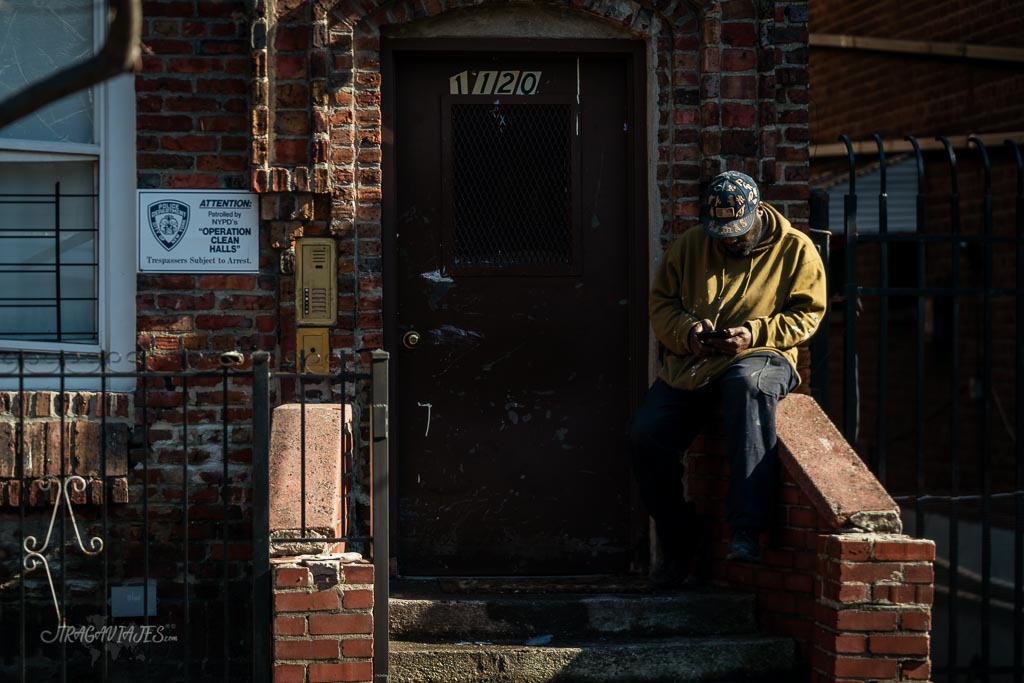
x=284, y=98
x=734, y=92
x=193, y=133
x=836, y=573
x=302, y=110
x=91, y=441
x=291, y=93
x=859, y=93
x=323, y=620
x=857, y=604
x=192, y=95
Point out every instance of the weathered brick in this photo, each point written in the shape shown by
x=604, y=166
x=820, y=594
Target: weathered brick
x=848, y=549
x=739, y=33
x=860, y=620
x=916, y=621
x=916, y=670
x=866, y=572
x=303, y=602
x=292, y=123
x=7, y=450
x=899, y=644
x=357, y=647
x=225, y=282
x=340, y=624
x=846, y=592
x=357, y=599
x=289, y=673
x=346, y=671
x=737, y=60
x=118, y=490
x=738, y=87
x=292, y=38
x=292, y=577
x=842, y=643
x=894, y=593
x=738, y=115
x=919, y=573
x=290, y=151
x=14, y=490
x=358, y=573
x=862, y=667
x=306, y=649
x=34, y=449
x=909, y=550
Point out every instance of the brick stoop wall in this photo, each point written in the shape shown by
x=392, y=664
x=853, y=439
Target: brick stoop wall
x=323, y=600
x=86, y=439
x=837, y=576
x=323, y=619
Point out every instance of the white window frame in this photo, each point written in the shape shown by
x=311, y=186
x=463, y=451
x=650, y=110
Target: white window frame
x=114, y=150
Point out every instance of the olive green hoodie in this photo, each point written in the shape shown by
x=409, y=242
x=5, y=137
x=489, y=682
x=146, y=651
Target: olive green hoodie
x=778, y=292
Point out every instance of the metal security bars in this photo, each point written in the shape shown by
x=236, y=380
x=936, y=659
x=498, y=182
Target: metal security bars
x=49, y=270
x=134, y=512
x=932, y=380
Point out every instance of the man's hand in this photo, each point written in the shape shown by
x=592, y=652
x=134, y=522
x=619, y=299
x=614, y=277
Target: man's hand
x=697, y=347
x=739, y=340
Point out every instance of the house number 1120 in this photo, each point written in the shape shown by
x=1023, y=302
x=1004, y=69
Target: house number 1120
x=495, y=83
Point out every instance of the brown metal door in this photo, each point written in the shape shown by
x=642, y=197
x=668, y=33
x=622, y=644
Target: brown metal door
x=512, y=266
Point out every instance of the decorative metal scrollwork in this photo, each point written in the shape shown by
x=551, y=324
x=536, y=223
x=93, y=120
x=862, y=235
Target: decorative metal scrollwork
x=34, y=551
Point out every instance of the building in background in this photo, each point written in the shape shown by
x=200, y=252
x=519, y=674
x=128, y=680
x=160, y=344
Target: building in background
x=934, y=417
x=479, y=188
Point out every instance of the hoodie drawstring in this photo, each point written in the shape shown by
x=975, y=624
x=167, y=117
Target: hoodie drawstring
x=750, y=274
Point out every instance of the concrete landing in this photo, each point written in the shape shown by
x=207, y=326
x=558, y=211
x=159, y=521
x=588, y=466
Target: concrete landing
x=703, y=612
x=679, y=660
x=562, y=630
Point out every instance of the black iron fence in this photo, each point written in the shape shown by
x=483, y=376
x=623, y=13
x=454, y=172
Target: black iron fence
x=930, y=381
x=134, y=520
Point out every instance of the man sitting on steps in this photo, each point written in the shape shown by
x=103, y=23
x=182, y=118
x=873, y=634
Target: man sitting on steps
x=730, y=303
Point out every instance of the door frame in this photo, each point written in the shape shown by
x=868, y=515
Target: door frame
x=637, y=201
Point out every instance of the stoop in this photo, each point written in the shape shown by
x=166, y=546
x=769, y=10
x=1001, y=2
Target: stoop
x=534, y=631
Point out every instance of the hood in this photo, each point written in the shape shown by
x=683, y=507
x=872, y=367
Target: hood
x=776, y=223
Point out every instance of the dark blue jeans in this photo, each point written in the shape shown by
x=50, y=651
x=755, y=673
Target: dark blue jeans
x=667, y=422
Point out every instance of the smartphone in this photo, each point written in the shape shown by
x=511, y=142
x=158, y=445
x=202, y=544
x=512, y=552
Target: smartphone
x=713, y=334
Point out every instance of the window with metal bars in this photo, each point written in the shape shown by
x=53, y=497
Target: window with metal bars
x=511, y=187
x=66, y=169
x=49, y=267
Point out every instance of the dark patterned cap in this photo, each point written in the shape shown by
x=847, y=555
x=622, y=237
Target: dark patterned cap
x=730, y=205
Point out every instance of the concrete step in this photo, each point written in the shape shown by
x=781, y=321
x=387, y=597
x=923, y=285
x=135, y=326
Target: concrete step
x=676, y=660
x=570, y=615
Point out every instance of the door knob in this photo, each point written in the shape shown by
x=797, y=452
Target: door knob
x=410, y=339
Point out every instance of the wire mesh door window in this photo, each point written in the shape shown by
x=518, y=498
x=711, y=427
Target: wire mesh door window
x=511, y=179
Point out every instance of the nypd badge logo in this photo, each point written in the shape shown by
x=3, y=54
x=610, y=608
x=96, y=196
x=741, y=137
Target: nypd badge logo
x=168, y=220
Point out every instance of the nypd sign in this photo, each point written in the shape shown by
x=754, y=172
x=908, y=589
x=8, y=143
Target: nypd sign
x=198, y=231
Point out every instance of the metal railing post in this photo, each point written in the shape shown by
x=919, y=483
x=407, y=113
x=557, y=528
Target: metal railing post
x=819, y=345
x=1018, y=536
x=380, y=511
x=986, y=415
x=920, y=215
x=881, y=416
x=955, y=415
x=261, y=580
x=851, y=376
